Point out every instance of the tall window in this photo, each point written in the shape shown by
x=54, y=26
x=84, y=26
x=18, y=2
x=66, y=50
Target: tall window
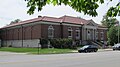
x=69, y=32
x=77, y=33
x=88, y=35
x=96, y=35
x=50, y=32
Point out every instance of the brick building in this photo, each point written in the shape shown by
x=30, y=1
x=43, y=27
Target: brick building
x=27, y=33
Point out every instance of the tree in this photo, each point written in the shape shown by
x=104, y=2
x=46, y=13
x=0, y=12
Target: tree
x=86, y=6
x=112, y=37
x=114, y=11
x=109, y=21
x=15, y=21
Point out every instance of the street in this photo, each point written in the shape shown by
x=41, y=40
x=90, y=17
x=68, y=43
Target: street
x=99, y=59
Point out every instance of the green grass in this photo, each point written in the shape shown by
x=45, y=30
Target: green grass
x=35, y=50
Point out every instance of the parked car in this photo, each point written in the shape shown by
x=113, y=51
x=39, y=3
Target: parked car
x=88, y=48
x=116, y=47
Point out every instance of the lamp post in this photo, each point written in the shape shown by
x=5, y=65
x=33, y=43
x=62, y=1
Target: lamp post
x=118, y=32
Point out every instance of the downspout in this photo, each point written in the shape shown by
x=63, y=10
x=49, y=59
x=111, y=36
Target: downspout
x=81, y=37
x=6, y=36
x=22, y=35
x=31, y=31
x=61, y=26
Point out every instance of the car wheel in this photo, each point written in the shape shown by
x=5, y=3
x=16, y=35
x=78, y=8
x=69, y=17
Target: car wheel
x=79, y=51
x=95, y=50
x=113, y=49
x=86, y=51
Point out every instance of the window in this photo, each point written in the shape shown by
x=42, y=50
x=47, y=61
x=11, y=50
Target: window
x=96, y=35
x=77, y=33
x=69, y=32
x=88, y=35
x=102, y=35
x=50, y=32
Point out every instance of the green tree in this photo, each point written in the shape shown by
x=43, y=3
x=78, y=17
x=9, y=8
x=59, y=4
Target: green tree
x=109, y=21
x=112, y=35
x=15, y=21
x=86, y=6
x=114, y=11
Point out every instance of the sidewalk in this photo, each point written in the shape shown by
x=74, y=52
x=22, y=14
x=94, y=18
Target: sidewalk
x=99, y=50
x=2, y=53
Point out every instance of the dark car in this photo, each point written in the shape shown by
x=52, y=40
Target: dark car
x=116, y=46
x=88, y=48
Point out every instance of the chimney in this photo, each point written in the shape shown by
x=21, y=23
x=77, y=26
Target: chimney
x=39, y=16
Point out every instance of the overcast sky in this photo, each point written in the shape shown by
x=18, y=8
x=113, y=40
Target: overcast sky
x=16, y=9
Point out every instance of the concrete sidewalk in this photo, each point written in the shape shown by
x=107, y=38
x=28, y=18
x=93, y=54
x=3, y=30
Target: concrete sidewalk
x=2, y=53
x=99, y=50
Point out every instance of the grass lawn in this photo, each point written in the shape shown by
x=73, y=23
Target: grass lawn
x=35, y=50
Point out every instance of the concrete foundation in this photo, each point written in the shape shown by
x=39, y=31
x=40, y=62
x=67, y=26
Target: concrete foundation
x=21, y=43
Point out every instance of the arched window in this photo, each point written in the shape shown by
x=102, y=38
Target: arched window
x=69, y=32
x=77, y=33
x=50, y=32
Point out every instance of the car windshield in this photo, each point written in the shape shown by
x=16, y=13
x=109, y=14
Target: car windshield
x=85, y=46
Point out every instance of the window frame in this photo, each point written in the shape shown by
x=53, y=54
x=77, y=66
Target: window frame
x=77, y=33
x=50, y=31
x=70, y=30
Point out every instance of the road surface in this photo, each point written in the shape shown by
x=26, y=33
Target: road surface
x=99, y=59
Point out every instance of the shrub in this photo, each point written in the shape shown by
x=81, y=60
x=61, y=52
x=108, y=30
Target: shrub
x=44, y=43
x=62, y=43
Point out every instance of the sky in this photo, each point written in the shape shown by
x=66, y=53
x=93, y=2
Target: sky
x=16, y=9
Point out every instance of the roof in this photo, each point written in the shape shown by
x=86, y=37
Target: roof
x=23, y=22
x=63, y=19
x=74, y=20
x=53, y=19
x=101, y=26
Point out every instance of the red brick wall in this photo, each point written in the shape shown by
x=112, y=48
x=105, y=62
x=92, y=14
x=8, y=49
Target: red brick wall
x=29, y=32
x=44, y=31
x=65, y=31
x=3, y=35
x=36, y=31
x=105, y=34
x=20, y=33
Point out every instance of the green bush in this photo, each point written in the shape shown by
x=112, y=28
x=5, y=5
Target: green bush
x=44, y=43
x=59, y=43
x=62, y=43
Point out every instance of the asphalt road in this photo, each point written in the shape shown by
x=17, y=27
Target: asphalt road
x=99, y=59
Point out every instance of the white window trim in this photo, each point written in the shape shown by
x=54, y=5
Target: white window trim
x=51, y=28
x=70, y=29
x=78, y=30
